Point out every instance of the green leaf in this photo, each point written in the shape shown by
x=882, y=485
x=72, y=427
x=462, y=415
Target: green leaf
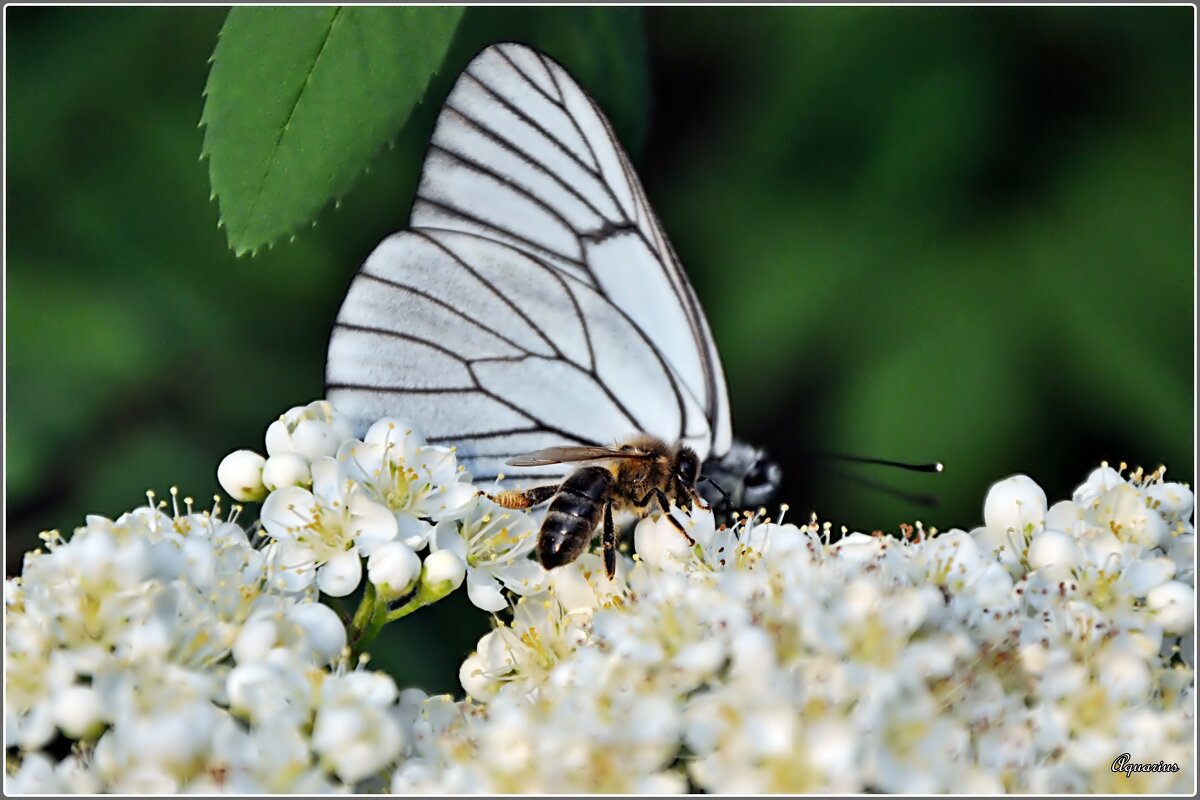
x=300, y=99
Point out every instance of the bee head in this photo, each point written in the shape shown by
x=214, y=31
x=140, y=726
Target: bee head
x=687, y=468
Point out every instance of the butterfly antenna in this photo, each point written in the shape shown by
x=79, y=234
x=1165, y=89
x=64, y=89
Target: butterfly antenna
x=935, y=466
x=717, y=486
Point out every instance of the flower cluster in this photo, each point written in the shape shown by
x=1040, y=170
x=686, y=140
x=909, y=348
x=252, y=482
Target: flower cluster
x=329, y=500
x=1026, y=655
x=176, y=650
x=164, y=653
x=180, y=652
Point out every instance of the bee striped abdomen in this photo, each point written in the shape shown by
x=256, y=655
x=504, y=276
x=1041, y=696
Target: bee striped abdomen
x=573, y=516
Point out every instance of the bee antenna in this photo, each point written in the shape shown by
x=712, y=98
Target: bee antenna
x=935, y=466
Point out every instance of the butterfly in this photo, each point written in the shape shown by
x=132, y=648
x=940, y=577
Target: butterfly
x=534, y=301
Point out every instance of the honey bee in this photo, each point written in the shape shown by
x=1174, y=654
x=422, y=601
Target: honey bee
x=642, y=473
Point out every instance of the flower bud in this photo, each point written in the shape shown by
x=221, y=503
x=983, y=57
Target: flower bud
x=1125, y=676
x=393, y=567
x=444, y=572
x=286, y=469
x=473, y=677
x=1051, y=547
x=77, y=710
x=326, y=634
x=1015, y=503
x=241, y=475
x=1174, y=606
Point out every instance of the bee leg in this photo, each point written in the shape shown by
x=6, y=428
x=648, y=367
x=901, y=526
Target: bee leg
x=665, y=505
x=527, y=499
x=610, y=543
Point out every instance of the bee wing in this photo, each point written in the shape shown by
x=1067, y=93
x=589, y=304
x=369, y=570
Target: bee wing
x=535, y=299
x=561, y=455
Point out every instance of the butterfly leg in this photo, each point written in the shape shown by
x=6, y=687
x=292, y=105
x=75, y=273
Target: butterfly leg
x=526, y=499
x=610, y=543
x=665, y=505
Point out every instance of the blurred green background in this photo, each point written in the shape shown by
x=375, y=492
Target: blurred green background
x=961, y=234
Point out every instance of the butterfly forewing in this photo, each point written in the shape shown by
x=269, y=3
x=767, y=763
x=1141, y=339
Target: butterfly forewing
x=535, y=302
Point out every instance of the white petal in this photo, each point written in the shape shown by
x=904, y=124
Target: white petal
x=395, y=432
x=446, y=536
x=1144, y=575
x=287, y=511
x=292, y=565
x=412, y=531
x=484, y=590
x=279, y=438
x=523, y=576
x=473, y=677
x=572, y=589
x=328, y=479
x=340, y=575
x=371, y=524
x=1098, y=482
x=361, y=462
x=660, y=543
x=452, y=502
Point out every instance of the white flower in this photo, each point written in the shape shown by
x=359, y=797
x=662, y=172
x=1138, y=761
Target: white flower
x=313, y=431
x=281, y=688
x=1123, y=510
x=420, y=483
x=354, y=731
x=165, y=652
x=659, y=542
x=495, y=543
x=583, y=585
x=329, y=528
x=1099, y=481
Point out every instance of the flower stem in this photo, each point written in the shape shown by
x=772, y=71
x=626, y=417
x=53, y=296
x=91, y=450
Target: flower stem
x=363, y=629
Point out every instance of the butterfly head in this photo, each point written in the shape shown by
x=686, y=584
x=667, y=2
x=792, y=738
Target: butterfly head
x=747, y=474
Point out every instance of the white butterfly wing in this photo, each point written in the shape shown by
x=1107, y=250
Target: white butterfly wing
x=536, y=301
x=481, y=346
